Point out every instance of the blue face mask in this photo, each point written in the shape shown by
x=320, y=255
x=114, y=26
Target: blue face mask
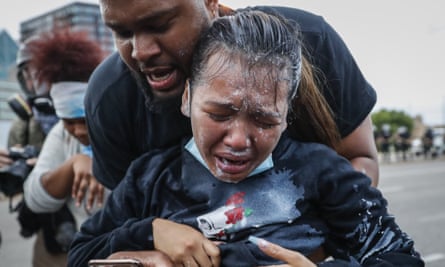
x=193, y=149
x=87, y=150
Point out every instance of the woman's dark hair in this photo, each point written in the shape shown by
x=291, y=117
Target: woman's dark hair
x=259, y=40
x=269, y=40
x=312, y=119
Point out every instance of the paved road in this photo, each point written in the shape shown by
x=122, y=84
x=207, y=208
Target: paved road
x=415, y=190
x=416, y=195
x=15, y=251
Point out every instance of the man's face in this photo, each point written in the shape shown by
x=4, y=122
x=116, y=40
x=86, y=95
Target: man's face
x=155, y=38
x=78, y=129
x=237, y=117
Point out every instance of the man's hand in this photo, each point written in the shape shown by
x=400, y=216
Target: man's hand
x=184, y=245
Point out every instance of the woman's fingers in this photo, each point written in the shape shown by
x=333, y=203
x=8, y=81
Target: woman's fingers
x=293, y=258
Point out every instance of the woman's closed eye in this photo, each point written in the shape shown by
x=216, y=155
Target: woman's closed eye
x=219, y=116
x=265, y=124
x=266, y=121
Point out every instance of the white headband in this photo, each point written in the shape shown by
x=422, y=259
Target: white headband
x=68, y=99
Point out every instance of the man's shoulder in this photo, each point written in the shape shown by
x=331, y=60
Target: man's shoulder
x=308, y=22
x=111, y=70
x=110, y=83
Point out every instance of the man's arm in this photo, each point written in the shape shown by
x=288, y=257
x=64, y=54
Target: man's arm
x=360, y=149
x=113, y=103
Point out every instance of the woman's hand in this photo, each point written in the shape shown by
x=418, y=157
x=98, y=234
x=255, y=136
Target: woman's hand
x=184, y=245
x=292, y=258
x=84, y=181
x=147, y=258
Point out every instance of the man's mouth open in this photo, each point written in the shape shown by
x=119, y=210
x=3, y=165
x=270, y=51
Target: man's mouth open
x=162, y=79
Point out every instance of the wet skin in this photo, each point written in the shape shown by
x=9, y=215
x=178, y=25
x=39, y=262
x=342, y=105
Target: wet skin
x=237, y=120
x=156, y=38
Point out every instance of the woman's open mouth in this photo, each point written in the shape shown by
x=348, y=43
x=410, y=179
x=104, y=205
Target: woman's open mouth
x=232, y=166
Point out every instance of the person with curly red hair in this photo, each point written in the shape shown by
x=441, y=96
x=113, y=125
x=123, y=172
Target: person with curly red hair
x=63, y=61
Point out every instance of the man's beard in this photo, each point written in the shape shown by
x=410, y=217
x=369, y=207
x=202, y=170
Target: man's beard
x=154, y=104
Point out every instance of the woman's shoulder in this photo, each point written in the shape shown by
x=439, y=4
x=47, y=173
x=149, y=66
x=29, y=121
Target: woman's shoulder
x=308, y=159
x=299, y=150
x=56, y=132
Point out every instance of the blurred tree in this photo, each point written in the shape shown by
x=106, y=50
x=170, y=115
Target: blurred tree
x=392, y=128
x=394, y=118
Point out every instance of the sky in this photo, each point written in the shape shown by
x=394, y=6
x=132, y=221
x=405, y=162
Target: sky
x=398, y=44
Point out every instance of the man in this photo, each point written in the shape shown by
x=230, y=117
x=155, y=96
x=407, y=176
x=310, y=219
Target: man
x=134, y=106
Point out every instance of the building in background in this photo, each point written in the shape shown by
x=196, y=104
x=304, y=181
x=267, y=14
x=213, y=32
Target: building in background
x=8, y=54
x=77, y=16
x=8, y=84
x=7, y=89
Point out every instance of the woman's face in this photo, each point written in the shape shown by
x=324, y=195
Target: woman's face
x=237, y=119
x=78, y=129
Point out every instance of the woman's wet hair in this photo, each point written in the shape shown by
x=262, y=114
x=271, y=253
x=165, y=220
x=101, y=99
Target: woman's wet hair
x=253, y=39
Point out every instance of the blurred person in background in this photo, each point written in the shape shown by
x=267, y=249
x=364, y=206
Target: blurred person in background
x=34, y=109
x=61, y=180
x=35, y=118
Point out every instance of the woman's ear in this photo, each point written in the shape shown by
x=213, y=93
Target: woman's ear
x=185, y=106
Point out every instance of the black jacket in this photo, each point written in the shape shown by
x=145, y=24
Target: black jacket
x=310, y=198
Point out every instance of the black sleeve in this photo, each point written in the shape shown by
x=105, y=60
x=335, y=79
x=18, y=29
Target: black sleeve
x=343, y=85
x=349, y=95
x=113, y=119
x=240, y=254
x=119, y=226
x=361, y=231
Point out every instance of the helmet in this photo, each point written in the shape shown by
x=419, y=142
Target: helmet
x=23, y=55
x=27, y=82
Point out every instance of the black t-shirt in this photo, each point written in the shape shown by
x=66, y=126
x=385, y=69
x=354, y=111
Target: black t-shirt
x=311, y=197
x=122, y=127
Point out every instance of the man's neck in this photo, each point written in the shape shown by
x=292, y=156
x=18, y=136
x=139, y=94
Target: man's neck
x=225, y=10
